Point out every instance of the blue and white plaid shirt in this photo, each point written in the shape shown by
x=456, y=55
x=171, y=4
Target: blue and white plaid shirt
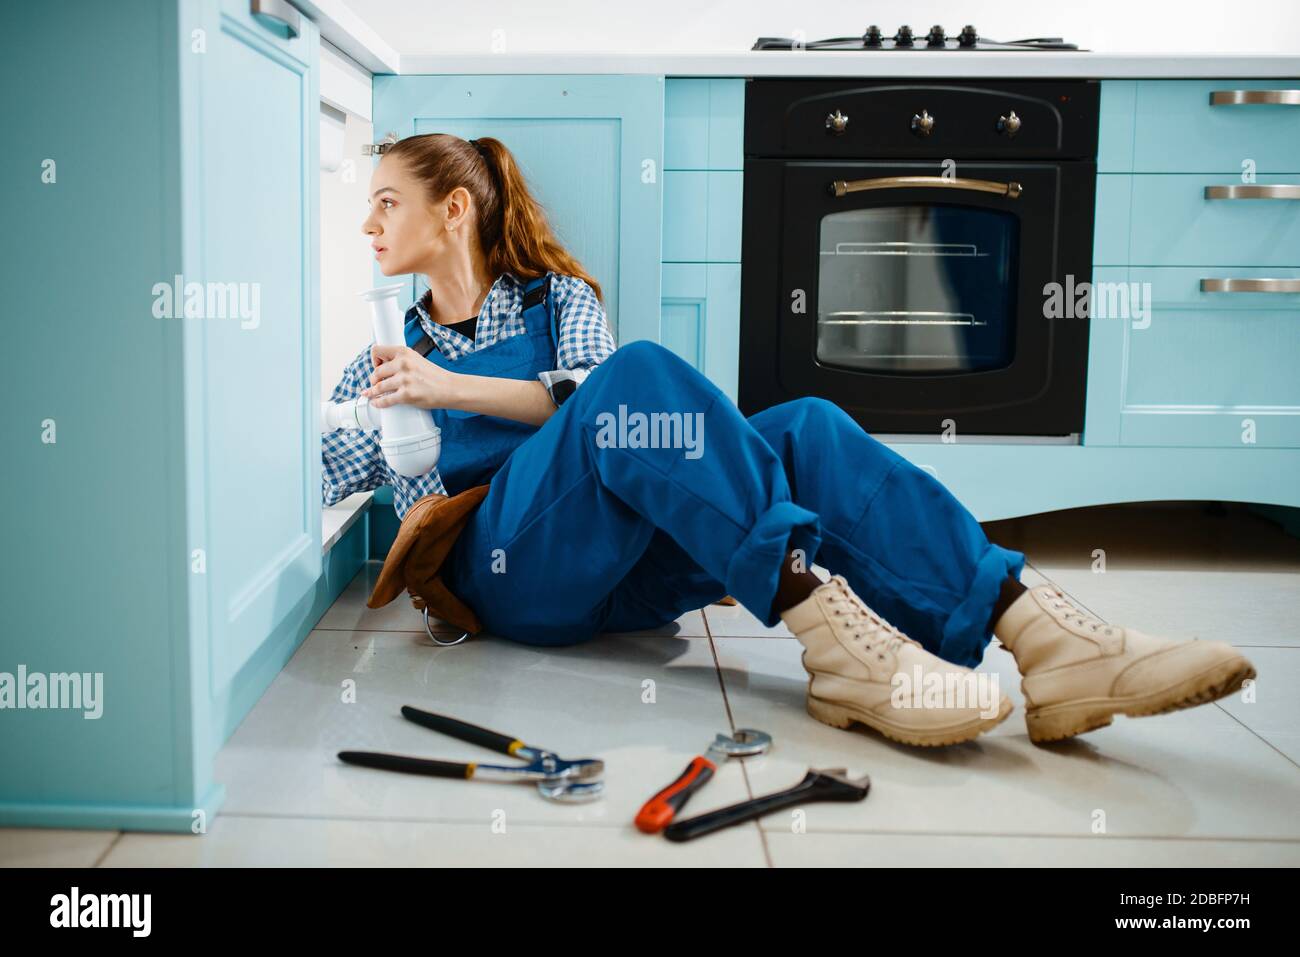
x=352, y=459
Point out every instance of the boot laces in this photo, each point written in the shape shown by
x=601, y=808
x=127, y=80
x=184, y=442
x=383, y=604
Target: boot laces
x=1067, y=611
x=865, y=624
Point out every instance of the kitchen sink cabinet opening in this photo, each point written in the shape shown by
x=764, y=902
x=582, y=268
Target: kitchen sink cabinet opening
x=345, y=271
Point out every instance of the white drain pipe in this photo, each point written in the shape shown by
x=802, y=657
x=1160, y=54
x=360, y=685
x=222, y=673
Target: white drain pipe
x=408, y=438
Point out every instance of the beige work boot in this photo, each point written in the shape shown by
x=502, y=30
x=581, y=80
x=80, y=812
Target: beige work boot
x=851, y=655
x=1077, y=671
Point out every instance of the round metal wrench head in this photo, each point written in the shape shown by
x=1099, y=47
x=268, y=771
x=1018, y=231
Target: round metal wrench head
x=571, y=792
x=744, y=743
x=554, y=768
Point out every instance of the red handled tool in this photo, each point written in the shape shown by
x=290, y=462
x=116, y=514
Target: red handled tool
x=658, y=812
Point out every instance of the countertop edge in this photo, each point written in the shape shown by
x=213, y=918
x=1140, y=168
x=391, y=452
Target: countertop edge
x=1026, y=65
x=336, y=519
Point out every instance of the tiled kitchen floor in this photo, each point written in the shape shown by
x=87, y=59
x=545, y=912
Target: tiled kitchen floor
x=1214, y=785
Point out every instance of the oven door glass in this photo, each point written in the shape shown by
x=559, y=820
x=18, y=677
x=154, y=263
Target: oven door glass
x=928, y=289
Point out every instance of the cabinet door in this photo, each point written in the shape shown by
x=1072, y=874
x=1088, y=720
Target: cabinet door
x=249, y=105
x=591, y=148
x=701, y=311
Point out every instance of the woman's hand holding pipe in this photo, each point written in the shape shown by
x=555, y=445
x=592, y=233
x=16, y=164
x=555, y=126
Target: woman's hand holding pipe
x=404, y=377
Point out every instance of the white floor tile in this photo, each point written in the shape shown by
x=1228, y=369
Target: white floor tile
x=1194, y=773
x=1243, y=608
x=52, y=847
x=1213, y=783
x=645, y=706
x=1272, y=708
x=735, y=621
x=349, y=611
x=236, y=841
x=1032, y=577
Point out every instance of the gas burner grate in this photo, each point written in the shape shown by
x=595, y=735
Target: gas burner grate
x=935, y=41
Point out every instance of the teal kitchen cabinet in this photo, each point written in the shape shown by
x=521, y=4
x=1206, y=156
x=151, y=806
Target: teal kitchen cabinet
x=591, y=148
x=703, y=188
x=162, y=492
x=1198, y=215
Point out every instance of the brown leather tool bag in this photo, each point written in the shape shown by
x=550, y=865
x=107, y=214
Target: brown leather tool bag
x=415, y=561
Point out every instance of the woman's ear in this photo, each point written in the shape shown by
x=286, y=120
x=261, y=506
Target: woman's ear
x=458, y=208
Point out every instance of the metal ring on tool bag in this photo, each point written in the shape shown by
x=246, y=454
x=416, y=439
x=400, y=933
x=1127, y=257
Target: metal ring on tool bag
x=434, y=638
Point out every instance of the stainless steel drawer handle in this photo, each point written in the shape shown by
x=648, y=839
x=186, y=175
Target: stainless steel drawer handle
x=1252, y=192
x=1248, y=97
x=278, y=16
x=841, y=187
x=1250, y=285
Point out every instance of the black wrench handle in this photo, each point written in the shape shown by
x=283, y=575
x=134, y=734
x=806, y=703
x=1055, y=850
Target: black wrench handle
x=463, y=730
x=814, y=787
x=409, y=765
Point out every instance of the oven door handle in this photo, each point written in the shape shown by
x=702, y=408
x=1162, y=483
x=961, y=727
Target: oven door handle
x=841, y=187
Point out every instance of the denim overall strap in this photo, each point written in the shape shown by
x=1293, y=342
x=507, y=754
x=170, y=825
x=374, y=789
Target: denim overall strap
x=474, y=446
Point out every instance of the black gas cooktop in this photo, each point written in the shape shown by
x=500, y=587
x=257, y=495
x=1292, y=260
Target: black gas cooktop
x=903, y=39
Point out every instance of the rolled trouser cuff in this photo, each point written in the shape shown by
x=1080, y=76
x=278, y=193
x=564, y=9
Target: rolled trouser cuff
x=966, y=634
x=755, y=568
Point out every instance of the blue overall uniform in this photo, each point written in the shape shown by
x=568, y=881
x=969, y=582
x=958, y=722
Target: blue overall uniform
x=475, y=446
x=587, y=528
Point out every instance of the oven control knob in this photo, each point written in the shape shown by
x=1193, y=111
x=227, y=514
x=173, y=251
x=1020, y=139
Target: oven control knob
x=935, y=37
x=1009, y=125
x=872, y=37
x=903, y=38
x=968, y=36
x=836, y=122
x=922, y=123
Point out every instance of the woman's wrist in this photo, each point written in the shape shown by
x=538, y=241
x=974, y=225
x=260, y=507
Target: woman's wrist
x=524, y=400
x=460, y=394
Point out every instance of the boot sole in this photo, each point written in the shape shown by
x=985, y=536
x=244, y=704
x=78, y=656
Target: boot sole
x=1061, y=721
x=840, y=716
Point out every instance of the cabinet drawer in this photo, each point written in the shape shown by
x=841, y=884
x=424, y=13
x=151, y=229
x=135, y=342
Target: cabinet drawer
x=1210, y=368
x=1175, y=224
x=1176, y=129
x=702, y=211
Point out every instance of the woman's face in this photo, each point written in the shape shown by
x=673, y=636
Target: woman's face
x=408, y=233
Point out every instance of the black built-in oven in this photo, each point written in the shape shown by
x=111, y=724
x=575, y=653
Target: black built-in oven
x=900, y=240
